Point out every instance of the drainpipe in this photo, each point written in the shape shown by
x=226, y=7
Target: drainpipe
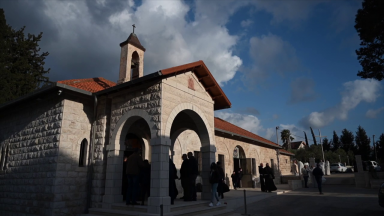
x=91, y=155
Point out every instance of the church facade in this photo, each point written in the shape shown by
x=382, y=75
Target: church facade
x=62, y=147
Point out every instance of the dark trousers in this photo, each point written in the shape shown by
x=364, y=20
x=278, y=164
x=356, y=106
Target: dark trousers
x=262, y=184
x=186, y=188
x=192, y=184
x=319, y=184
x=133, y=183
x=306, y=180
x=220, y=189
x=144, y=192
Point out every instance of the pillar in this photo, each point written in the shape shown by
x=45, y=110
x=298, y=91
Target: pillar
x=208, y=157
x=159, y=176
x=114, y=175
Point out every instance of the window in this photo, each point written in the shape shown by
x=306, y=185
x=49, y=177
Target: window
x=83, y=153
x=286, y=161
x=253, y=166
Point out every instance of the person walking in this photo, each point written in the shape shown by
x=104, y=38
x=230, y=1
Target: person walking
x=262, y=181
x=239, y=177
x=194, y=171
x=134, y=164
x=234, y=179
x=295, y=168
x=172, y=184
x=214, y=179
x=145, y=180
x=305, y=171
x=269, y=176
x=318, y=173
x=220, y=188
x=184, y=177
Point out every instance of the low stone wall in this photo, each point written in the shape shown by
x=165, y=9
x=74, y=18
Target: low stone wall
x=285, y=179
x=295, y=184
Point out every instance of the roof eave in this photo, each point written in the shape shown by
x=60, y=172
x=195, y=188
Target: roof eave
x=246, y=137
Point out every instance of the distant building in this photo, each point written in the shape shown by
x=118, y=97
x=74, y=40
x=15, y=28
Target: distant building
x=298, y=145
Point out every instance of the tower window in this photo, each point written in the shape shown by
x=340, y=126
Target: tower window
x=83, y=153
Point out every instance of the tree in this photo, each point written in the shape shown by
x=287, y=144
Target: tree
x=369, y=24
x=335, y=141
x=363, y=143
x=313, y=136
x=286, y=137
x=326, y=144
x=21, y=66
x=346, y=139
x=380, y=148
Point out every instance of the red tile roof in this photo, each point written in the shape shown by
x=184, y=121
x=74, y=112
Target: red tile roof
x=283, y=151
x=224, y=125
x=92, y=84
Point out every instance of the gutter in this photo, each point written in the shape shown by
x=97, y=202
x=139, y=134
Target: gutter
x=235, y=134
x=55, y=85
x=91, y=156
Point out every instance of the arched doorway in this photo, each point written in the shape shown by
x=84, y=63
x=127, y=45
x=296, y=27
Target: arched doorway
x=239, y=159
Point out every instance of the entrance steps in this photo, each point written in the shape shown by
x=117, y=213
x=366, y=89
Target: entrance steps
x=183, y=209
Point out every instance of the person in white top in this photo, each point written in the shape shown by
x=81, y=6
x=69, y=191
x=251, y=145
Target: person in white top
x=322, y=166
x=305, y=172
x=295, y=168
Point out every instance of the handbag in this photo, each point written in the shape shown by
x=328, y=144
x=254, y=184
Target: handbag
x=225, y=188
x=323, y=179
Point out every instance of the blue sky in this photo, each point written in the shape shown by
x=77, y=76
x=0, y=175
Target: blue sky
x=288, y=63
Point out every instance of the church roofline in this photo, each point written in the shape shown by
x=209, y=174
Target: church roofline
x=53, y=86
x=246, y=137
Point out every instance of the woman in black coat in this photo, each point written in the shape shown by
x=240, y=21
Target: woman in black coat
x=269, y=176
x=261, y=172
x=234, y=179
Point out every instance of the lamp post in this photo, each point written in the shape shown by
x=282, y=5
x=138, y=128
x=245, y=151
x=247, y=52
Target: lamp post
x=374, y=146
x=277, y=137
x=339, y=159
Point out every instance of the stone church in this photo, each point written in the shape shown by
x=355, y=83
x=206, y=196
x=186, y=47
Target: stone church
x=62, y=146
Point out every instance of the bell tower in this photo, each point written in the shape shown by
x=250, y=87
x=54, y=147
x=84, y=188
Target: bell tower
x=131, y=59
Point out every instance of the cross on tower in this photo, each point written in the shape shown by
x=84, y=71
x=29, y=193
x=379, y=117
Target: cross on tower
x=133, y=28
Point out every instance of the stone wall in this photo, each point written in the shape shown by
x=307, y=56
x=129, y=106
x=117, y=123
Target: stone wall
x=31, y=132
x=71, y=179
x=225, y=146
x=176, y=91
x=285, y=164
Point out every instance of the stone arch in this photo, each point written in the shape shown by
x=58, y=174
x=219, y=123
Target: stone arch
x=188, y=106
x=125, y=122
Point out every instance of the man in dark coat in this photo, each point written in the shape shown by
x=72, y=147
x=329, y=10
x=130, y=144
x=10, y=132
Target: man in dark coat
x=261, y=172
x=234, y=179
x=172, y=184
x=194, y=170
x=145, y=180
x=184, y=177
x=134, y=164
x=239, y=177
x=220, y=188
x=269, y=176
x=318, y=173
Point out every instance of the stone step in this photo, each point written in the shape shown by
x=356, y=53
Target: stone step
x=199, y=211
x=123, y=207
x=112, y=212
x=189, y=205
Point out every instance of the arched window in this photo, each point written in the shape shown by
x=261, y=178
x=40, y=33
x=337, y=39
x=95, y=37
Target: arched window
x=83, y=153
x=135, y=64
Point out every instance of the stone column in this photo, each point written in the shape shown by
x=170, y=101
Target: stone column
x=114, y=175
x=159, y=176
x=208, y=156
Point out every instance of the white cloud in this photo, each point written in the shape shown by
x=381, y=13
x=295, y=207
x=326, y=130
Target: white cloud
x=354, y=93
x=374, y=113
x=275, y=116
x=247, y=122
x=89, y=36
x=246, y=23
x=270, y=55
x=293, y=11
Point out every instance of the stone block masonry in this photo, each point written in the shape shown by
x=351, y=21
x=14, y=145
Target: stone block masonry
x=30, y=133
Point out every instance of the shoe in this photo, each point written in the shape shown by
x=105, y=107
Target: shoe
x=210, y=204
x=218, y=203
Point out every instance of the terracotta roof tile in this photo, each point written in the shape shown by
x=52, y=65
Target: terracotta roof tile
x=224, y=125
x=92, y=84
x=283, y=151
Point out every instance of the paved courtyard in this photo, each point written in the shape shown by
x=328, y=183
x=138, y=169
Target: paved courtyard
x=337, y=200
